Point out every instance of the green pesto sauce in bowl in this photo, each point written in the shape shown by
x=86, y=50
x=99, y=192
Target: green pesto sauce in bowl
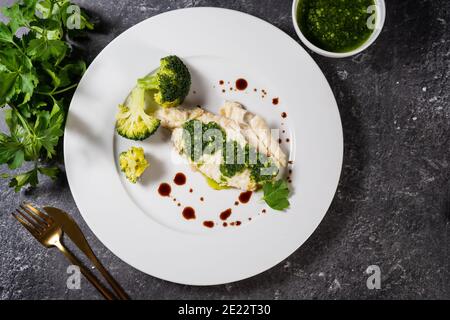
x=335, y=25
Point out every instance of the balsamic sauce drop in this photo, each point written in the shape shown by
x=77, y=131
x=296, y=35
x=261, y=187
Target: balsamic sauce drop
x=225, y=214
x=244, y=197
x=179, y=179
x=189, y=213
x=208, y=224
x=241, y=84
x=164, y=189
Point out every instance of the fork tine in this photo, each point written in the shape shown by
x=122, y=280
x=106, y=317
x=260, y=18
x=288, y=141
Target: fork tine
x=38, y=212
x=35, y=217
x=32, y=220
x=27, y=226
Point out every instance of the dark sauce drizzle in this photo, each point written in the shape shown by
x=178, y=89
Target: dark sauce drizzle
x=241, y=84
x=180, y=179
x=189, y=213
x=225, y=214
x=164, y=189
x=208, y=224
x=244, y=197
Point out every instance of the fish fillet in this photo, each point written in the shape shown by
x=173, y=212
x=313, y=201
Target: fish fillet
x=239, y=125
x=258, y=130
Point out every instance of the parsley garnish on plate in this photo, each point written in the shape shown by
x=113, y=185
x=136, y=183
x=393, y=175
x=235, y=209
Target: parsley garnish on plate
x=276, y=194
x=38, y=74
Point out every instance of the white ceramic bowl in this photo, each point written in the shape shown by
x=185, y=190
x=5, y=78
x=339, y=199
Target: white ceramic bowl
x=379, y=22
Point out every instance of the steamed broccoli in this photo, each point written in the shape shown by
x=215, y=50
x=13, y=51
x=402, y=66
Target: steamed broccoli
x=132, y=120
x=133, y=163
x=171, y=82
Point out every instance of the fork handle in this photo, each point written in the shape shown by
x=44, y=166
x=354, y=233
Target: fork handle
x=86, y=272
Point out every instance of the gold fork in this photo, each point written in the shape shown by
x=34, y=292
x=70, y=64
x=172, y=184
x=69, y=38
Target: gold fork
x=43, y=228
x=74, y=233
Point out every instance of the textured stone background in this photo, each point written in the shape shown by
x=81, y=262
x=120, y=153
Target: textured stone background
x=392, y=207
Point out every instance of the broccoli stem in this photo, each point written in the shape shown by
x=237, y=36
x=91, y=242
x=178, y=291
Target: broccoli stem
x=149, y=82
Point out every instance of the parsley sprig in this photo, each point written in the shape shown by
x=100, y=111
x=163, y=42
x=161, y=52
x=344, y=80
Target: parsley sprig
x=38, y=74
x=276, y=194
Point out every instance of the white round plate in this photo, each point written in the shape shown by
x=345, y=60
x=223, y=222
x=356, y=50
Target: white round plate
x=147, y=230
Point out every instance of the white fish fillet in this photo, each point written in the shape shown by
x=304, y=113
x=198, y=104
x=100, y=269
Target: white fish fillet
x=259, y=131
x=239, y=125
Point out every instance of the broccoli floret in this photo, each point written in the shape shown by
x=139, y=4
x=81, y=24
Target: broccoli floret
x=132, y=120
x=133, y=163
x=171, y=82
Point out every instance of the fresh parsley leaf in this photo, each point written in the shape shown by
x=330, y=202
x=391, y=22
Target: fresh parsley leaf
x=49, y=29
x=31, y=177
x=11, y=151
x=20, y=14
x=43, y=49
x=17, y=76
x=51, y=172
x=22, y=133
x=5, y=33
x=13, y=60
x=30, y=109
x=7, y=82
x=48, y=129
x=56, y=81
x=45, y=8
x=276, y=194
x=28, y=81
x=27, y=178
x=10, y=59
x=17, y=161
x=70, y=72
